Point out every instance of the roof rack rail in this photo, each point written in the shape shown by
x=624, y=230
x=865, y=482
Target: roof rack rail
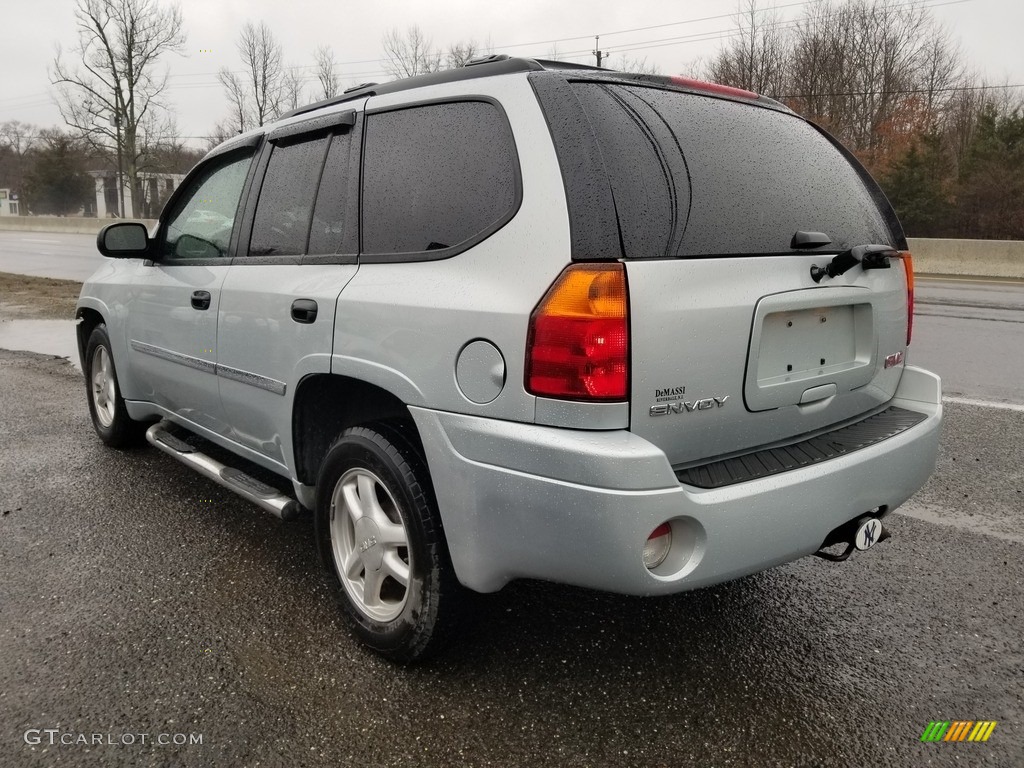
x=498, y=64
x=359, y=87
x=356, y=91
x=487, y=59
x=553, y=64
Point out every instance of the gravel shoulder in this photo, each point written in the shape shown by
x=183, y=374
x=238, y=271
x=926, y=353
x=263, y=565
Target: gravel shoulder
x=23, y=297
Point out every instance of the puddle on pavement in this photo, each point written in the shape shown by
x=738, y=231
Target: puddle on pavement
x=47, y=337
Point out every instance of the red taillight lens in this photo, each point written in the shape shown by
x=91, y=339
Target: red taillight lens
x=908, y=268
x=578, y=345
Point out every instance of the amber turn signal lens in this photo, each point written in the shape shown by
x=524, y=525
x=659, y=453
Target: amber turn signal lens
x=578, y=346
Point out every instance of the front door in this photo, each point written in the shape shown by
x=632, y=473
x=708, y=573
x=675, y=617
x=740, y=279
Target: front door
x=175, y=298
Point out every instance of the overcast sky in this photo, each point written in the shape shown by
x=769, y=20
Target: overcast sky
x=671, y=35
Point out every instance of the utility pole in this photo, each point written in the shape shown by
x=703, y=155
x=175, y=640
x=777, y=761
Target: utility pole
x=597, y=49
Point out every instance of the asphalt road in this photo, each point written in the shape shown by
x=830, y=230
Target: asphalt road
x=60, y=255
x=137, y=599
x=971, y=332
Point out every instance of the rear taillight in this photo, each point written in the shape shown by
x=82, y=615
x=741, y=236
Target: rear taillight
x=578, y=344
x=908, y=268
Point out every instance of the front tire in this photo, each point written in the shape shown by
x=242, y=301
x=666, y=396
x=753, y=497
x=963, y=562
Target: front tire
x=380, y=536
x=110, y=418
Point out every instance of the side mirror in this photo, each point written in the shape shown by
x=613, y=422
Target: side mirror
x=123, y=240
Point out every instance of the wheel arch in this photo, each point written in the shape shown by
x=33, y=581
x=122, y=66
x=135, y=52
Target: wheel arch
x=88, y=318
x=327, y=404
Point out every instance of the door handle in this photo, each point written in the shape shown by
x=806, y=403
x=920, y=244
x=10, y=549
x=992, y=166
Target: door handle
x=200, y=300
x=304, y=311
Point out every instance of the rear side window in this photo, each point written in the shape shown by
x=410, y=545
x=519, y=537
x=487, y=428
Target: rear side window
x=328, y=233
x=698, y=176
x=436, y=178
x=281, y=224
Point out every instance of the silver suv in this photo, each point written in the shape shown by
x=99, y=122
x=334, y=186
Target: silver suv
x=525, y=320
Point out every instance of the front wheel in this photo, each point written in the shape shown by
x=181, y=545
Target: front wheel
x=106, y=406
x=380, y=535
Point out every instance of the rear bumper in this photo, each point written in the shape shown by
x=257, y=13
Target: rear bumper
x=526, y=501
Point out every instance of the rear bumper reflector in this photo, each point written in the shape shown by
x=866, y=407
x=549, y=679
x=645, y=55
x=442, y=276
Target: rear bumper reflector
x=772, y=461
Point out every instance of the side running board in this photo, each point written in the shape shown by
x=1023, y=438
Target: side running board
x=233, y=479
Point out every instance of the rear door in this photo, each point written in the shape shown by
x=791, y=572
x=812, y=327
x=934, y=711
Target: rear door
x=734, y=345
x=279, y=298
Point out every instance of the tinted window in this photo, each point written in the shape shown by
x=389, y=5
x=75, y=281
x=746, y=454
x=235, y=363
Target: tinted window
x=199, y=226
x=693, y=175
x=327, y=234
x=436, y=176
x=281, y=224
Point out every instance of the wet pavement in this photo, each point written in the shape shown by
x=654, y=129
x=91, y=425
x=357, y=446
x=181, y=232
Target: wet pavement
x=48, y=337
x=971, y=332
x=136, y=598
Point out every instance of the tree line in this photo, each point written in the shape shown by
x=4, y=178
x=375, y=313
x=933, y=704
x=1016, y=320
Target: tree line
x=49, y=169
x=882, y=75
x=891, y=83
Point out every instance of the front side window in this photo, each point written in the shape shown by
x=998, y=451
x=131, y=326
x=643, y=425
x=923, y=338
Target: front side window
x=436, y=176
x=199, y=226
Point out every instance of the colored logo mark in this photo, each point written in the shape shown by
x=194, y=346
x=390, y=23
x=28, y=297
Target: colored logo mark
x=958, y=730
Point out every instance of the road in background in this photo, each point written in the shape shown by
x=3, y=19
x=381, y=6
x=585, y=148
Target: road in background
x=49, y=254
x=971, y=332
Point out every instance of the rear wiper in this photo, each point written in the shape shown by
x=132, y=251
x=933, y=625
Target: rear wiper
x=868, y=256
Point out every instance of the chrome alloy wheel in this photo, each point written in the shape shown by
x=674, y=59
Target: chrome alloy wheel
x=370, y=545
x=104, y=393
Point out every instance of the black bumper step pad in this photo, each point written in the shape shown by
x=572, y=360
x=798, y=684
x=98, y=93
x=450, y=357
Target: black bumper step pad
x=806, y=453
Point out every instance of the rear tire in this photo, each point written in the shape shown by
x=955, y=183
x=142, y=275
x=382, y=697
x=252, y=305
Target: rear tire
x=380, y=536
x=106, y=406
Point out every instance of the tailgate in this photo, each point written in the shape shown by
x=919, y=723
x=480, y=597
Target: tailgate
x=731, y=354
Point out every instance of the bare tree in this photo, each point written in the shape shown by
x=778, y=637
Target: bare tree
x=326, y=73
x=17, y=140
x=757, y=56
x=237, y=94
x=460, y=54
x=636, y=65
x=18, y=137
x=109, y=99
x=256, y=93
x=874, y=73
x=220, y=133
x=292, y=95
x=942, y=68
x=409, y=54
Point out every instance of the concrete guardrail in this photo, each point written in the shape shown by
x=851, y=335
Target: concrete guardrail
x=982, y=258
x=932, y=256
x=72, y=224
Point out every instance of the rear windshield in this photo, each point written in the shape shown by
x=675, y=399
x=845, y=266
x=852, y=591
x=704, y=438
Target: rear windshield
x=698, y=176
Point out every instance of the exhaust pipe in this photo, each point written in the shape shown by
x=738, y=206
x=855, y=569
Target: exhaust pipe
x=860, y=534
